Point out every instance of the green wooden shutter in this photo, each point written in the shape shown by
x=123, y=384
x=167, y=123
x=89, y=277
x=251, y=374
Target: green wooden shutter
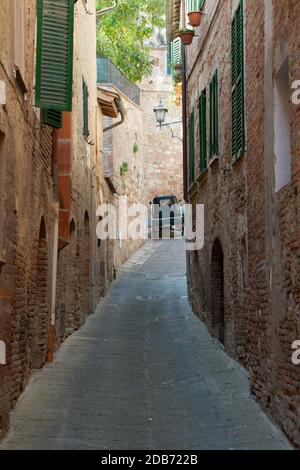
x=192, y=148
x=202, y=131
x=238, y=93
x=52, y=118
x=195, y=5
x=54, y=57
x=85, y=95
x=214, y=116
x=176, y=52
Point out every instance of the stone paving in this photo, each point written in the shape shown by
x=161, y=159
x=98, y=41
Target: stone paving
x=143, y=373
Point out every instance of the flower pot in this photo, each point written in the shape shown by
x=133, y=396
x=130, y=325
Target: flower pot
x=177, y=70
x=195, y=18
x=187, y=37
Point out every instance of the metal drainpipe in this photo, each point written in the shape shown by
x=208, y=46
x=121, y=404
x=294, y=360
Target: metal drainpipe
x=93, y=243
x=184, y=123
x=122, y=111
x=100, y=13
x=55, y=211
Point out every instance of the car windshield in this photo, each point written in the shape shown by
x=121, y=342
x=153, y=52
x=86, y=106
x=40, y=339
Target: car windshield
x=165, y=200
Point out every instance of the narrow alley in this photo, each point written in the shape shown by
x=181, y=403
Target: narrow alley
x=143, y=373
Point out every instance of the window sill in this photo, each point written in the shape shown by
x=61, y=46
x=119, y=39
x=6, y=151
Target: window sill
x=202, y=178
x=192, y=189
x=19, y=80
x=213, y=160
x=237, y=161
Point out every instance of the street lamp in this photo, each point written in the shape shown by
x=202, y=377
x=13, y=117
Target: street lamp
x=160, y=113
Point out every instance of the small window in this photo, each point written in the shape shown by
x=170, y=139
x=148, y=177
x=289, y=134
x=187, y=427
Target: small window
x=85, y=94
x=192, y=148
x=202, y=131
x=20, y=18
x=214, y=116
x=282, y=127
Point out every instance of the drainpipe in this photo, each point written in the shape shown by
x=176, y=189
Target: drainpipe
x=93, y=243
x=55, y=213
x=100, y=13
x=184, y=124
x=51, y=336
x=122, y=111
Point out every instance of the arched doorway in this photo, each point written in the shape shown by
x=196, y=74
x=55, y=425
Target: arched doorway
x=86, y=267
x=41, y=308
x=72, y=310
x=217, y=292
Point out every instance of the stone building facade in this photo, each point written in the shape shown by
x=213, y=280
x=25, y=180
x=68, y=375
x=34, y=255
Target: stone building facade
x=26, y=219
x=162, y=152
x=245, y=282
x=53, y=269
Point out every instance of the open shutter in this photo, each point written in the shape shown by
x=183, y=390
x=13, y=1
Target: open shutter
x=85, y=94
x=238, y=94
x=52, y=118
x=195, y=5
x=176, y=52
x=214, y=116
x=192, y=148
x=202, y=131
x=54, y=60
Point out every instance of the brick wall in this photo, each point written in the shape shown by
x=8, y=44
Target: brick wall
x=162, y=153
x=256, y=227
x=25, y=168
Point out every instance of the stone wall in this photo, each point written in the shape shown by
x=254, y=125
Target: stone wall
x=26, y=218
x=162, y=153
x=251, y=231
x=123, y=148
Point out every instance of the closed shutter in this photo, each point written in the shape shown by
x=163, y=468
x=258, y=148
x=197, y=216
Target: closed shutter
x=52, y=118
x=192, y=148
x=214, y=116
x=238, y=94
x=54, y=57
x=202, y=131
x=85, y=94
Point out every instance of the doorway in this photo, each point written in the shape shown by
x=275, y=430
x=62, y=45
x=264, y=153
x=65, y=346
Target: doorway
x=217, y=292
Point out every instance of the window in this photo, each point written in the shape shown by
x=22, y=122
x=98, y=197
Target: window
x=192, y=148
x=214, y=116
x=282, y=128
x=20, y=17
x=238, y=105
x=54, y=57
x=85, y=95
x=202, y=131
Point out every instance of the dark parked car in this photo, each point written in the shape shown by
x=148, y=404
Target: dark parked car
x=167, y=217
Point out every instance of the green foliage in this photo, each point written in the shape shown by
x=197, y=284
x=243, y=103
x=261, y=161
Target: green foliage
x=122, y=32
x=136, y=148
x=124, y=168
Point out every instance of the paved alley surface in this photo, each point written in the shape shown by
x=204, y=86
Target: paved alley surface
x=143, y=373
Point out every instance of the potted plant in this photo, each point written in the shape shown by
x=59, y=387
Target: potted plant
x=177, y=68
x=195, y=18
x=195, y=12
x=187, y=36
